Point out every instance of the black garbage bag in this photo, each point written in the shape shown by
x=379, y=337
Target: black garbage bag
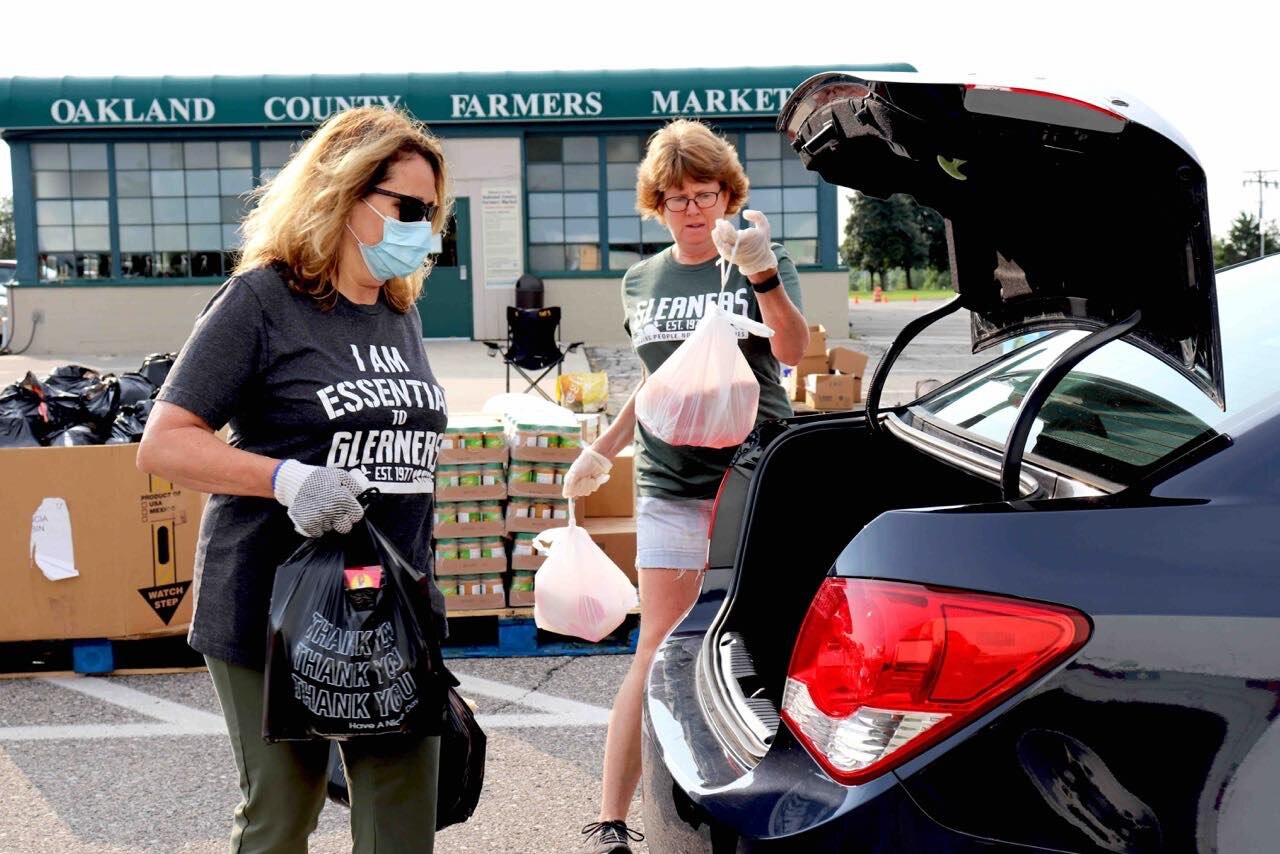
x=16, y=432
x=346, y=655
x=130, y=422
x=69, y=437
x=135, y=388
x=71, y=378
x=79, y=395
x=156, y=367
x=459, y=776
x=26, y=400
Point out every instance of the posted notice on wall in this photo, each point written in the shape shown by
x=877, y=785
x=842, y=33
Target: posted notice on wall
x=500, y=212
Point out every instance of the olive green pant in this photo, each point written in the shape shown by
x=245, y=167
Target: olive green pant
x=392, y=780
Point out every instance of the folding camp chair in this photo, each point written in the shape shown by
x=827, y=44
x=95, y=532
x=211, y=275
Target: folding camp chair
x=533, y=344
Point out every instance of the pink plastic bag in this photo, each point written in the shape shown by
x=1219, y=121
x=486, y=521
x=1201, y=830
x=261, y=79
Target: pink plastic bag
x=578, y=591
x=705, y=393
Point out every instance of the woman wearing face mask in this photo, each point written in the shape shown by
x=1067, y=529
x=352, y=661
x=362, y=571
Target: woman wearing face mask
x=312, y=352
x=690, y=181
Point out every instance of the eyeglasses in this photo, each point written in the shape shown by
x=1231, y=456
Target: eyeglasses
x=676, y=204
x=412, y=209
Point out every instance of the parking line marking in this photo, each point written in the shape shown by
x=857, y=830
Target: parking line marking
x=140, y=702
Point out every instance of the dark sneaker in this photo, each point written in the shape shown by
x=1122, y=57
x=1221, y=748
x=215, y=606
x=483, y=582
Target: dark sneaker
x=610, y=837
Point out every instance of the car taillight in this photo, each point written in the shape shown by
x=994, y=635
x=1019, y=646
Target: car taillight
x=883, y=670
x=715, y=508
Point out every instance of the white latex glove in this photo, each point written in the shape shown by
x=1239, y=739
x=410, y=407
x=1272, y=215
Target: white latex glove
x=754, y=253
x=319, y=499
x=588, y=472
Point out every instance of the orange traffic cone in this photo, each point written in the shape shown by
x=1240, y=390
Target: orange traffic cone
x=913, y=298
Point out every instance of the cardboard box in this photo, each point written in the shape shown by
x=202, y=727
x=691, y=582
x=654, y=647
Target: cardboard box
x=617, y=496
x=493, y=492
x=817, y=342
x=528, y=563
x=843, y=360
x=813, y=365
x=525, y=525
x=455, y=530
x=826, y=392
x=474, y=566
x=486, y=602
x=525, y=489
x=616, y=537
x=520, y=598
x=133, y=540
x=524, y=453
x=480, y=456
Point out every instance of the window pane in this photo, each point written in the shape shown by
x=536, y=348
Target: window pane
x=231, y=237
x=93, y=238
x=235, y=155
x=582, y=230
x=54, y=267
x=206, y=263
x=200, y=155
x=583, y=256
x=274, y=152
x=547, y=257
x=625, y=229
x=581, y=177
x=133, y=184
x=266, y=175
x=545, y=176
x=621, y=176
x=134, y=211
x=622, y=202
x=166, y=155
x=233, y=209
x=90, y=213
x=765, y=173
x=205, y=210
x=581, y=149
x=793, y=172
x=169, y=210
x=53, y=184
x=546, y=231
x=581, y=204
x=203, y=182
x=132, y=266
x=542, y=149
x=769, y=201
x=171, y=238
x=89, y=156
x=800, y=225
x=799, y=200
x=49, y=155
x=236, y=181
x=654, y=232
x=167, y=183
x=54, y=239
x=761, y=146
x=89, y=185
x=622, y=149
x=208, y=237
x=136, y=238
x=546, y=204
x=132, y=155
x=95, y=266
x=172, y=265
x=802, y=251
x=53, y=213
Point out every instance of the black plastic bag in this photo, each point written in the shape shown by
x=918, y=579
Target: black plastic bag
x=70, y=437
x=26, y=400
x=71, y=378
x=130, y=422
x=346, y=655
x=156, y=367
x=459, y=776
x=78, y=395
x=135, y=388
x=16, y=432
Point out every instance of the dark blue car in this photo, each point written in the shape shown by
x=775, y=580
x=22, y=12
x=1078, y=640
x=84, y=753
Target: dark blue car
x=1038, y=608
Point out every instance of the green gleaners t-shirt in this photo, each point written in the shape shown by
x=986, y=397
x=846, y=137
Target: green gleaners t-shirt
x=664, y=300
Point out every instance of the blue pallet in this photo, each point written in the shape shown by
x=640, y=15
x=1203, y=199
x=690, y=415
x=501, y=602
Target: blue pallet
x=518, y=637
x=92, y=656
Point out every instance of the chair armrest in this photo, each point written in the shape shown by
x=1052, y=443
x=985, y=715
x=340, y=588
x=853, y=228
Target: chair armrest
x=575, y=345
x=495, y=347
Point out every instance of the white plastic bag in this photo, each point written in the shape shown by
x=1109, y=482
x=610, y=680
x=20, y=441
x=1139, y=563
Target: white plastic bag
x=578, y=591
x=705, y=393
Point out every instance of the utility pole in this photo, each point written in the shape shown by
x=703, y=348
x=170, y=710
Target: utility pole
x=1262, y=182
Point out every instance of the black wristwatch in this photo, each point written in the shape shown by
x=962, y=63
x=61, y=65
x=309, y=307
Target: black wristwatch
x=767, y=285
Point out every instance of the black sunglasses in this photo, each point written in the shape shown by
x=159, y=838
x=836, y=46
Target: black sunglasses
x=412, y=209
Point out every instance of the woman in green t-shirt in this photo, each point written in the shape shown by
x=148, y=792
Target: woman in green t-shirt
x=690, y=179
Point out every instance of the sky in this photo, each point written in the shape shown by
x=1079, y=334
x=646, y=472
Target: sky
x=1210, y=69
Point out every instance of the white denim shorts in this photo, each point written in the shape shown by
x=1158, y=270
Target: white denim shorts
x=672, y=534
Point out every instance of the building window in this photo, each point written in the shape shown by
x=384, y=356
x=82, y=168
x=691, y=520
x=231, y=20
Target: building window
x=563, y=175
x=784, y=191
x=179, y=206
x=630, y=237
x=73, y=235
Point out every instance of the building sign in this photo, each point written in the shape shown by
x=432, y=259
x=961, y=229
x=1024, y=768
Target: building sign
x=707, y=102
x=116, y=111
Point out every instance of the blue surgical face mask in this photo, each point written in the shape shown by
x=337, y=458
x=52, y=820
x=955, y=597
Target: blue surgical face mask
x=403, y=248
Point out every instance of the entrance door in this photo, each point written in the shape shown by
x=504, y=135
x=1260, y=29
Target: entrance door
x=445, y=304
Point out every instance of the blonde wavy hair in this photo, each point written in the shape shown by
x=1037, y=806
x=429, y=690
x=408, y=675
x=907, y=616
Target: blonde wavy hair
x=687, y=149
x=301, y=215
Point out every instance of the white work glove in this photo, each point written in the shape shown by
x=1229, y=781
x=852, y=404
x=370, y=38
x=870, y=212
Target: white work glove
x=588, y=472
x=319, y=499
x=753, y=253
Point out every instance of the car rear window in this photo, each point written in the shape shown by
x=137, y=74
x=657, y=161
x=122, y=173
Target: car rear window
x=1122, y=412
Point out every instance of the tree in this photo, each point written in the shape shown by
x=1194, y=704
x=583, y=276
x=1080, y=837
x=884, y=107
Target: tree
x=8, y=238
x=1243, y=242
x=882, y=234
x=934, y=230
